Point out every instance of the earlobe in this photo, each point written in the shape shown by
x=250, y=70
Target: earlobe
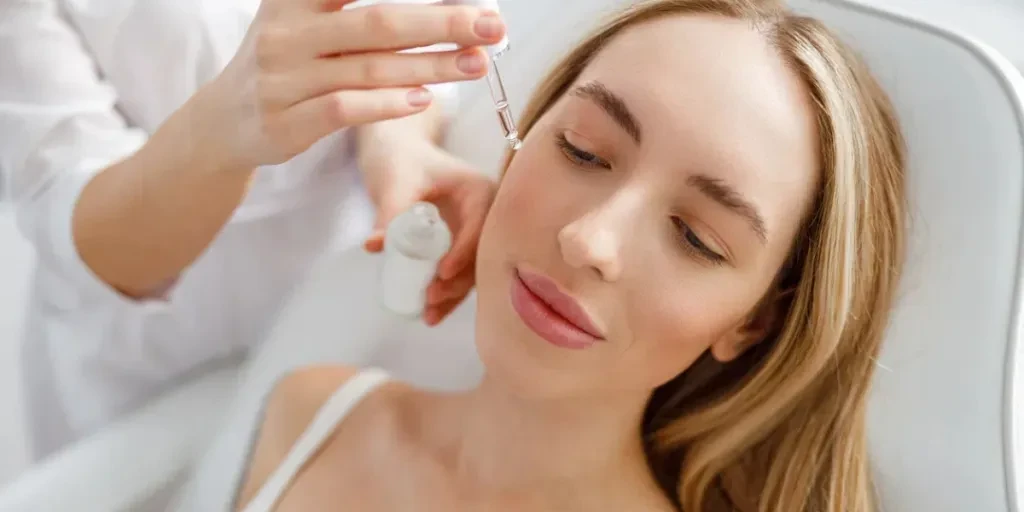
x=763, y=323
x=734, y=345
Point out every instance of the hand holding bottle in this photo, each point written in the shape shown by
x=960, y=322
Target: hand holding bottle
x=417, y=171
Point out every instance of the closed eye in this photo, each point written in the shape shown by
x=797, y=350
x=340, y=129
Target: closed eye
x=692, y=243
x=578, y=156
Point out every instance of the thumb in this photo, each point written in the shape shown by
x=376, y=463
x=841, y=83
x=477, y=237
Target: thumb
x=388, y=207
x=447, y=169
x=394, y=199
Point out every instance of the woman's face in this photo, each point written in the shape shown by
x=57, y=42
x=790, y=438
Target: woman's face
x=647, y=212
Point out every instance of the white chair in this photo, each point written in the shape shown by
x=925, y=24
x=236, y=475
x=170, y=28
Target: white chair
x=945, y=435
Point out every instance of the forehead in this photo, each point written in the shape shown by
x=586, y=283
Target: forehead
x=715, y=93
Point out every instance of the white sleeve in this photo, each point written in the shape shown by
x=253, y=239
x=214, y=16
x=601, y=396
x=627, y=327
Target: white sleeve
x=60, y=127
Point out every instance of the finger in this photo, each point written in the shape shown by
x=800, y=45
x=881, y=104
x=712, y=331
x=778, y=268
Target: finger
x=285, y=9
x=276, y=8
x=436, y=314
x=401, y=27
x=388, y=207
x=375, y=243
x=471, y=211
x=463, y=251
x=307, y=122
x=378, y=70
x=390, y=204
x=446, y=289
x=330, y=5
x=454, y=170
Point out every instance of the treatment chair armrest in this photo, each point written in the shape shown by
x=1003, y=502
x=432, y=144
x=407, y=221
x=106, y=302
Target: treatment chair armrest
x=136, y=463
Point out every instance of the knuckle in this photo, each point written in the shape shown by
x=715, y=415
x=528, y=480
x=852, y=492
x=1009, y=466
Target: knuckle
x=283, y=139
x=443, y=67
x=272, y=131
x=375, y=70
x=387, y=105
x=409, y=69
x=266, y=87
x=336, y=110
x=460, y=21
x=381, y=21
x=268, y=45
x=273, y=9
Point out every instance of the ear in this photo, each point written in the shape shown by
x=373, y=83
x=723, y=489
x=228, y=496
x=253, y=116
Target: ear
x=766, y=320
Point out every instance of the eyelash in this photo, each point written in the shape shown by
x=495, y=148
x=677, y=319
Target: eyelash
x=578, y=156
x=692, y=243
x=687, y=237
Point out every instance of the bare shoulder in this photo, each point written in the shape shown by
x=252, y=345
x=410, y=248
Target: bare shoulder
x=290, y=408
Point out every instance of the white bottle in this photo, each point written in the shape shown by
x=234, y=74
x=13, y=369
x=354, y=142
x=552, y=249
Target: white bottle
x=414, y=243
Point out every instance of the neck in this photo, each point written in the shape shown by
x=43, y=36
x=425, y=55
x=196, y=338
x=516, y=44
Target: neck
x=546, y=449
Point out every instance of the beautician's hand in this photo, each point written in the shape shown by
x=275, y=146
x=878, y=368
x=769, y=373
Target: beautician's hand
x=398, y=172
x=308, y=68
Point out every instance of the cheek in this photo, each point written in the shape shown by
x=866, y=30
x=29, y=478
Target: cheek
x=676, y=321
x=526, y=208
x=520, y=224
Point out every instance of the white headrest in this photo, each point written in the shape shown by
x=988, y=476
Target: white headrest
x=942, y=425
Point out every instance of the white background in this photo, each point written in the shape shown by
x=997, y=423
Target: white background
x=996, y=22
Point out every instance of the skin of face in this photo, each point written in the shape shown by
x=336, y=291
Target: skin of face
x=663, y=192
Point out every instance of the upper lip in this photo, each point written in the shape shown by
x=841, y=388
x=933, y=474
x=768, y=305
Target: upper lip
x=562, y=303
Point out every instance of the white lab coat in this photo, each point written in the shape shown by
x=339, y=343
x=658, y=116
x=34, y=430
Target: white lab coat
x=82, y=84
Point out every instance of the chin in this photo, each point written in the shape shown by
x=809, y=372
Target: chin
x=507, y=365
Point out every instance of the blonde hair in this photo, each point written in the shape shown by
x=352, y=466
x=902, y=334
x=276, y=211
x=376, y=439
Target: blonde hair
x=783, y=427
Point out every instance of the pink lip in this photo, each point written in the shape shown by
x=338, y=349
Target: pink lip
x=551, y=313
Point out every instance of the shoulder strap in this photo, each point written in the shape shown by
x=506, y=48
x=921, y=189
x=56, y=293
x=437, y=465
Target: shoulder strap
x=331, y=413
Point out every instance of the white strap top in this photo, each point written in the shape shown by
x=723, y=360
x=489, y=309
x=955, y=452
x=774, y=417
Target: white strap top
x=330, y=415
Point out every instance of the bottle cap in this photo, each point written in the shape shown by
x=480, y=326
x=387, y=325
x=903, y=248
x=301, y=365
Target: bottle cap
x=420, y=232
x=423, y=221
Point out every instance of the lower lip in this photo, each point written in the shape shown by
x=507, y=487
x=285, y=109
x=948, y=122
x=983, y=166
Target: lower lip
x=545, y=322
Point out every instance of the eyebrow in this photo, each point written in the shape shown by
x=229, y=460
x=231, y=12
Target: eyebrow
x=724, y=194
x=613, y=105
x=718, y=190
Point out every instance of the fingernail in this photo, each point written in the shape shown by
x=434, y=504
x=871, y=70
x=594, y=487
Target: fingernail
x=488, y=26
x=471, y=62
x=420, y=97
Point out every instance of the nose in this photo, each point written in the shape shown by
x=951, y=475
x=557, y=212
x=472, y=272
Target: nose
x=593, y=242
